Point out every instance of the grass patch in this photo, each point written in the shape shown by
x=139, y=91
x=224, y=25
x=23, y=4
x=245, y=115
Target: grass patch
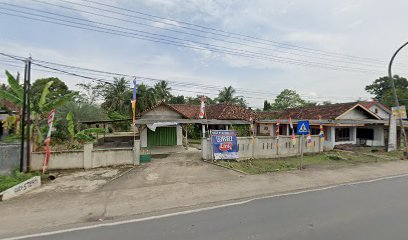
x=7, y=182
x=330, y=159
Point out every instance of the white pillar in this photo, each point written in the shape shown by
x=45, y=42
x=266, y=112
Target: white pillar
x=226, y=127
x=88, y=147
x=203, y=129
x=392, y=135
x=136, y=152
x=179, y=133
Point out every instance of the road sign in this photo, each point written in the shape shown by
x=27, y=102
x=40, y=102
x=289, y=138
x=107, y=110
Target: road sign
x=303, y=127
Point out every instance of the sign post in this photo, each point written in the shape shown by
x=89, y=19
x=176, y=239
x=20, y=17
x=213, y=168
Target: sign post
x=302, y=129
x=224, y=144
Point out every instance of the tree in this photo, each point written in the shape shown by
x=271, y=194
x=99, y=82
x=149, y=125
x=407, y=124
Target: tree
x=162, y=91
x=145, y=96
x=381, y=89
x=288, y=99
x=197, y=100
x=57, y=90
x=177, y=99
x=267, y=106
x=226, y=95
x=89, y=93
x=117, y=96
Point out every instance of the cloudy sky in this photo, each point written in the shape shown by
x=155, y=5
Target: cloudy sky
x=325, y=50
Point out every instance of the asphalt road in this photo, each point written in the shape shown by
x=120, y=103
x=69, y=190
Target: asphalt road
x=374, y=210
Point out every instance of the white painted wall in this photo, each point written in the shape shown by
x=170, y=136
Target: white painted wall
x=161, y=112
x=266, y=147
x=353, y=114
x=89, y=158
x=143, y=137
x=179, y=132
x=265, y=129
x=380, y=112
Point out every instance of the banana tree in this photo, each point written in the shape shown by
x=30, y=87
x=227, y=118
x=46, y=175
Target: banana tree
x=15, y=97
x=82, y=136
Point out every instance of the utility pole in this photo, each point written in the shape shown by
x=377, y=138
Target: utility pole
x=23, y=116
x=394, y=92
x=28, y=149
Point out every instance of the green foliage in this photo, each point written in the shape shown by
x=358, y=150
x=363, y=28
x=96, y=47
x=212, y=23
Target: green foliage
x=71, y=126
x=89, y=93
x=381, y=89
x=86, y=135
x=267, y=106
x=56, y=90
x=227, y=95
x=14, y=93
x=177, y=99
x=162, y=91
x=288, y=99
x=242, y=130
x=117, y=96
x=15, y=178
x=197, y=100
x=146, y=97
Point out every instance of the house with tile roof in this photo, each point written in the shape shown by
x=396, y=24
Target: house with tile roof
x=365, y=123
x=161, y=125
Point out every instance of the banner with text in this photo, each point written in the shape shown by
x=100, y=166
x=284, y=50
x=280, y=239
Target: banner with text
x=224, y=144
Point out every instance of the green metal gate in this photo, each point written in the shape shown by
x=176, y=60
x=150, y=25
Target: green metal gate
x=163, y=136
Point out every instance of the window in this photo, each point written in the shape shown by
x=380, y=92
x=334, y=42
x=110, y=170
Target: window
x=342, y=134
x=376, y=110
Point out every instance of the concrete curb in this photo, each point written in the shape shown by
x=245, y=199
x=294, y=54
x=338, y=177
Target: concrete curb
x=21, y=188
x=219, y=165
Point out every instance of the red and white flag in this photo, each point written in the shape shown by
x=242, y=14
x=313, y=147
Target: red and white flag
x=293, y=131
x=51, y=116
x=202, y=108
x=277, y=129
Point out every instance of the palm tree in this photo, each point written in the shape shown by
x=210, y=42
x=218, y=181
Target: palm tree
x=162, y=91
x=226, y=95
x=117, y=96
x=146, y=97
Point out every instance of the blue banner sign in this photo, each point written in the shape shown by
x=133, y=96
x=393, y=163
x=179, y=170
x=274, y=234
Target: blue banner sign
x=224, y=144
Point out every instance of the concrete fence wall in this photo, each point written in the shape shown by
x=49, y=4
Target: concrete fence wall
x=9, y=158
x=267, y=147
x=88, y=158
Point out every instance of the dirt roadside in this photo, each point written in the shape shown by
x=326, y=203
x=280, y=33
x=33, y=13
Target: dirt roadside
x=189, y=187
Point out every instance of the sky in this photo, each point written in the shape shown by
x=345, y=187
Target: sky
x=324, y=50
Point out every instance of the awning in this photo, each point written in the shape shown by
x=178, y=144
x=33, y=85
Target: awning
x=160, y=124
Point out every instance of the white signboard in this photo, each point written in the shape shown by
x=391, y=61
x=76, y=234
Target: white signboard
x=399, y=112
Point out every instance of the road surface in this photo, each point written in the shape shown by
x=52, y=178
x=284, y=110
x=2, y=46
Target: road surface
x=370, y=210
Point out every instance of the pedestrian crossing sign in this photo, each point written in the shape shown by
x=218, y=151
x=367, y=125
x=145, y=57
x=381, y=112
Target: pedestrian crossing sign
x=302, y=127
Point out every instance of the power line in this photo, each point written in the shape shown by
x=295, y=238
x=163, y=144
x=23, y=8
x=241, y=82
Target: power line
x=290, y=46
x=352, y=61
x=208, y=47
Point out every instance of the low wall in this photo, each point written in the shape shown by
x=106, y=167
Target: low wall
x=9, y=158
x=88, y=158
x=267, y=147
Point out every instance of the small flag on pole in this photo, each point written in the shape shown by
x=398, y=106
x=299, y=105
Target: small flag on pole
x=293, y=131
x=321, y=133
x=134, y=102
x=309, y=139
x=202, y=108
x=47, y=141
x=277, y=129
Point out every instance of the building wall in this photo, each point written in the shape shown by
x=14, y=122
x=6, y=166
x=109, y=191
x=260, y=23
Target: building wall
x=354, y=114
x=179, y=132
x=9, y=158
x=266, y=147
x=380, y=112
x=265, y=129
x=161, y=112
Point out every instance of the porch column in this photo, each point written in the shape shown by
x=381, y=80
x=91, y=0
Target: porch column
x=203, y=129
x=226, y=127
x=287, y=130
x=333, y=135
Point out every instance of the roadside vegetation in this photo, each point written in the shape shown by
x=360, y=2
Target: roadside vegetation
x=15, y=178
x=332, y=159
